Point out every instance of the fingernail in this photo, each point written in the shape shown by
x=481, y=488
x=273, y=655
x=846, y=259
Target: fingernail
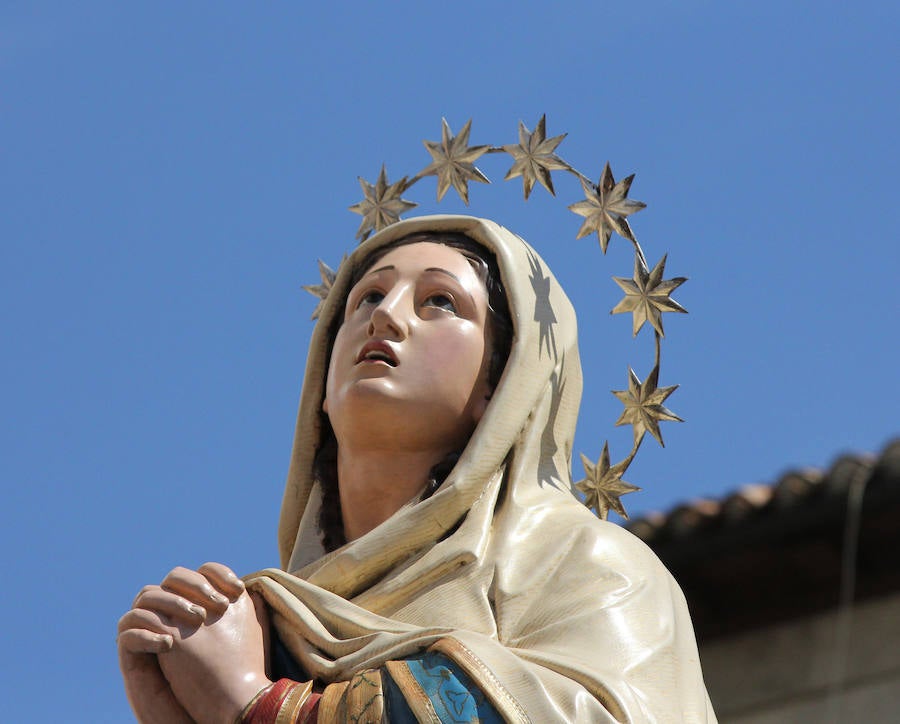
x=218, y=597
x=166, y=641
x=197, y=610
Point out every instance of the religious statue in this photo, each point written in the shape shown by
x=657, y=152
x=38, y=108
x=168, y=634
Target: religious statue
x=435, y=565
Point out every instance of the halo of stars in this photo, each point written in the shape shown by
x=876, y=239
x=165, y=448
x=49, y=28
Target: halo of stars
x=604, y=209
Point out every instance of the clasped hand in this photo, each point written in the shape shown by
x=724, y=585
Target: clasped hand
x=193, y=648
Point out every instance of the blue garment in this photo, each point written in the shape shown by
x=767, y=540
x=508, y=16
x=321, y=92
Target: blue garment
x=453, y=695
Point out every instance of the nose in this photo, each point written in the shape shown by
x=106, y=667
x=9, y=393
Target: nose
x=390, y=317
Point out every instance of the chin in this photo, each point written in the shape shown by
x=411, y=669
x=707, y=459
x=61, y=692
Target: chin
x=371, y=412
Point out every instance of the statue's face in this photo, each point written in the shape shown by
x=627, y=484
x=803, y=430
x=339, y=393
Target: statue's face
x=412, y=353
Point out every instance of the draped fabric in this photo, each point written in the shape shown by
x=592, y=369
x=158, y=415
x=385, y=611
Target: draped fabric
x=553, y=613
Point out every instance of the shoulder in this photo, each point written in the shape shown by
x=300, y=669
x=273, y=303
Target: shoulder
x=566, y=546
x=597, y=542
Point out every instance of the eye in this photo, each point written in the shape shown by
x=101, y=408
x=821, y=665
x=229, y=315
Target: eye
x=441, y=301
x=373, y=296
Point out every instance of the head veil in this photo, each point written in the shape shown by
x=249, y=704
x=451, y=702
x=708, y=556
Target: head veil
x=558, y=615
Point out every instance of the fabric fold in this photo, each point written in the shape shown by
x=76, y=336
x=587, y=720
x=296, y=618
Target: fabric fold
x=554, y=614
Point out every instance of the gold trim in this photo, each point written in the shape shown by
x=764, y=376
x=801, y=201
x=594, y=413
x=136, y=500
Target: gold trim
x=413, y=693
x=490, y=685
x=293, y=702
x=331, y=705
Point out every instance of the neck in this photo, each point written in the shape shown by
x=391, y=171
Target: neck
x=375, y=484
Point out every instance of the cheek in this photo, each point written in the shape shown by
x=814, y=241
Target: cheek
x=338, y=352
x=460, y=353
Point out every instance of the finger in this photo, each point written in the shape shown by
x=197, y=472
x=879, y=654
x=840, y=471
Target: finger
x=140, y=618
x=224, y=579
x=141, y=593
x=144, y=632
x=195, y=587
x=172, y=605
x=141, y=641
x=148, y=691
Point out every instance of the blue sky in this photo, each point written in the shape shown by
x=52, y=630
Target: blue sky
x=170, y=172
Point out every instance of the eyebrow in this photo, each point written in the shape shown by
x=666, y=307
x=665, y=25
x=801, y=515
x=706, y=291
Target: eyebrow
x=443, y=271
x=389, y=267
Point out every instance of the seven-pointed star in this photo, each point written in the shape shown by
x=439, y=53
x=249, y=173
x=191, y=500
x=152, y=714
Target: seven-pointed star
x=321, y=290
x=603, y=485
x=382, y=204
x=534, y=157
x=453, y=161
x=643, y=405
x=606, y=207
x=647, y=295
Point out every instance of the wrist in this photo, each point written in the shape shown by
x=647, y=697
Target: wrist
x=247, y=695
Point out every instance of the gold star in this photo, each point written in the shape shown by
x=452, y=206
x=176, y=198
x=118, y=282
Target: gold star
x=382, y=204
x=534, y=157
x=643, y=405
x=603, y=485
x=453, y=161
x=321, y=290
x=606, y=207
x=647, y=295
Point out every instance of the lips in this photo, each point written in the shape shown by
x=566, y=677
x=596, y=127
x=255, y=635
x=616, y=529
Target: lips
x=375, y=352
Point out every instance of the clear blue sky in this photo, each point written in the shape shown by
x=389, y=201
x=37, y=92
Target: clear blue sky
x=170, y=172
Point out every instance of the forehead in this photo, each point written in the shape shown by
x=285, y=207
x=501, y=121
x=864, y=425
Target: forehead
x=423, y=256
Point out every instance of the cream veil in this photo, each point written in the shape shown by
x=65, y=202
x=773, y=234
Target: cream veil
x=557, y=615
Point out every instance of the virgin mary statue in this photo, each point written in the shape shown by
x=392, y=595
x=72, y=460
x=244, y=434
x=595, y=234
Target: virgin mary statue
x=435, y=565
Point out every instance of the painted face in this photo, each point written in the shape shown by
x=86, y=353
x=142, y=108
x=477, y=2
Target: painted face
x=411, y=356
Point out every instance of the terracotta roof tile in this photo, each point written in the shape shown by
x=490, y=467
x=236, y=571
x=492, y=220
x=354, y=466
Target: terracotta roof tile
x=772, y=552
x=788, y=493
